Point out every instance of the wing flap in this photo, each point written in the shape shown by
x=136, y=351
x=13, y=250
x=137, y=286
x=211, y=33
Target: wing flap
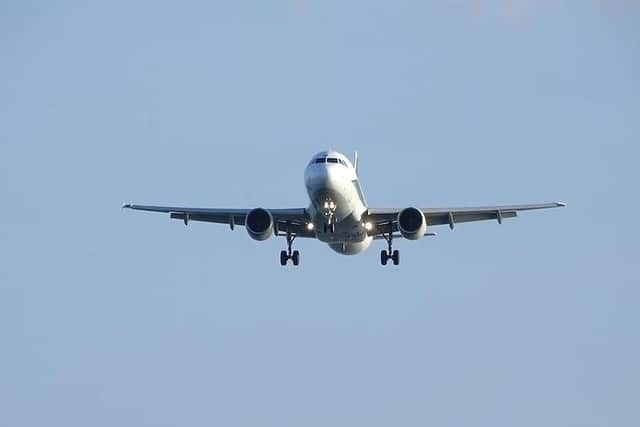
x=218, y=219
x=444, y=219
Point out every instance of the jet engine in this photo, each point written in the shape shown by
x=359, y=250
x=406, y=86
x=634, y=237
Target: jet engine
x=259, y=224
x=412, y=223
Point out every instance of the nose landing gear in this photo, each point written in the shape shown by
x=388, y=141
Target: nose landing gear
x=329, y=228
x=391, y=254
x=329, y=212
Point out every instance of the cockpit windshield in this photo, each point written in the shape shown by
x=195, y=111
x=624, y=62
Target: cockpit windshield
x=329, y=160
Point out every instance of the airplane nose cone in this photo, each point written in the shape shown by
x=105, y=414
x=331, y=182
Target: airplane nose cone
x=332, y=174
x=323, y=177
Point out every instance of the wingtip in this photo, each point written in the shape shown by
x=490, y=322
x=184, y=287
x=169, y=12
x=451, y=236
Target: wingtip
x=126, y=206
x=561, y=204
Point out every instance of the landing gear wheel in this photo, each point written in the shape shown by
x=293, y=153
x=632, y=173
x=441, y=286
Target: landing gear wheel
x=284, y=257
x=384, y=257
x=295, y=257
x=396, y=257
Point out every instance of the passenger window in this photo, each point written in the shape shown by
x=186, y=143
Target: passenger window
x=332, y=160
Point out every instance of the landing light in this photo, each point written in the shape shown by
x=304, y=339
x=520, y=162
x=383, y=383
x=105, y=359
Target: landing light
x=310, y=226
x=368, y=226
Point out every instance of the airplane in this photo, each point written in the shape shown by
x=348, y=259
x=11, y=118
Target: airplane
x=339, y=215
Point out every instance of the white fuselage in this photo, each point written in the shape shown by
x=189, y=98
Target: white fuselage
x=337, y=204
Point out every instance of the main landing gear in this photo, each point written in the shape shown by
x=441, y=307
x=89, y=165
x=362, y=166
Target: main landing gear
x=287, y=255
x=391, y=255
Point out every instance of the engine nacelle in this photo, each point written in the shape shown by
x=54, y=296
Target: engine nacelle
x=412, y=223
x=259, y=224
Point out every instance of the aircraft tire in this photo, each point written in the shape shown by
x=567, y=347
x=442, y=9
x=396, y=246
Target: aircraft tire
x=396, y=257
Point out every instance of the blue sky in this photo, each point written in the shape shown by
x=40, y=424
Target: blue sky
x=114, y=317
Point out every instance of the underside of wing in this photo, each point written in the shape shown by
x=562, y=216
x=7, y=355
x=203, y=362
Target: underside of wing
x=292, y=220
x=387, y=219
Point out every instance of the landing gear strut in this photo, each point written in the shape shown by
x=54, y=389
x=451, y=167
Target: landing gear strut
x=391, y=255
x=329, y=228
x=287, y=255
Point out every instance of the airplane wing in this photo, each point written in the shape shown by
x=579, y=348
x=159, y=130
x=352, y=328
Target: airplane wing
x=452, y=216
x=293, y=219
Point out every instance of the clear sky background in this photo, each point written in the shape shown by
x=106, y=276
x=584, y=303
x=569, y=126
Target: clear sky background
x=111, y=317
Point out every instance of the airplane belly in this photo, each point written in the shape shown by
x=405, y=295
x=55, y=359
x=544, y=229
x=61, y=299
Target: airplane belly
x=347, y=231
x=351, y=248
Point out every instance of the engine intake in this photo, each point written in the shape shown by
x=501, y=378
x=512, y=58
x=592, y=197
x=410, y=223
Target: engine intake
x=412, y=223
x=259, y=224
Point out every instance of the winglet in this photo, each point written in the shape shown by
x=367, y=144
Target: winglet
x=355, y=161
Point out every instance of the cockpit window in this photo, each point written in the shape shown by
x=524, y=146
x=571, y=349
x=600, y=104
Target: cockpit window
x=329, y=160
